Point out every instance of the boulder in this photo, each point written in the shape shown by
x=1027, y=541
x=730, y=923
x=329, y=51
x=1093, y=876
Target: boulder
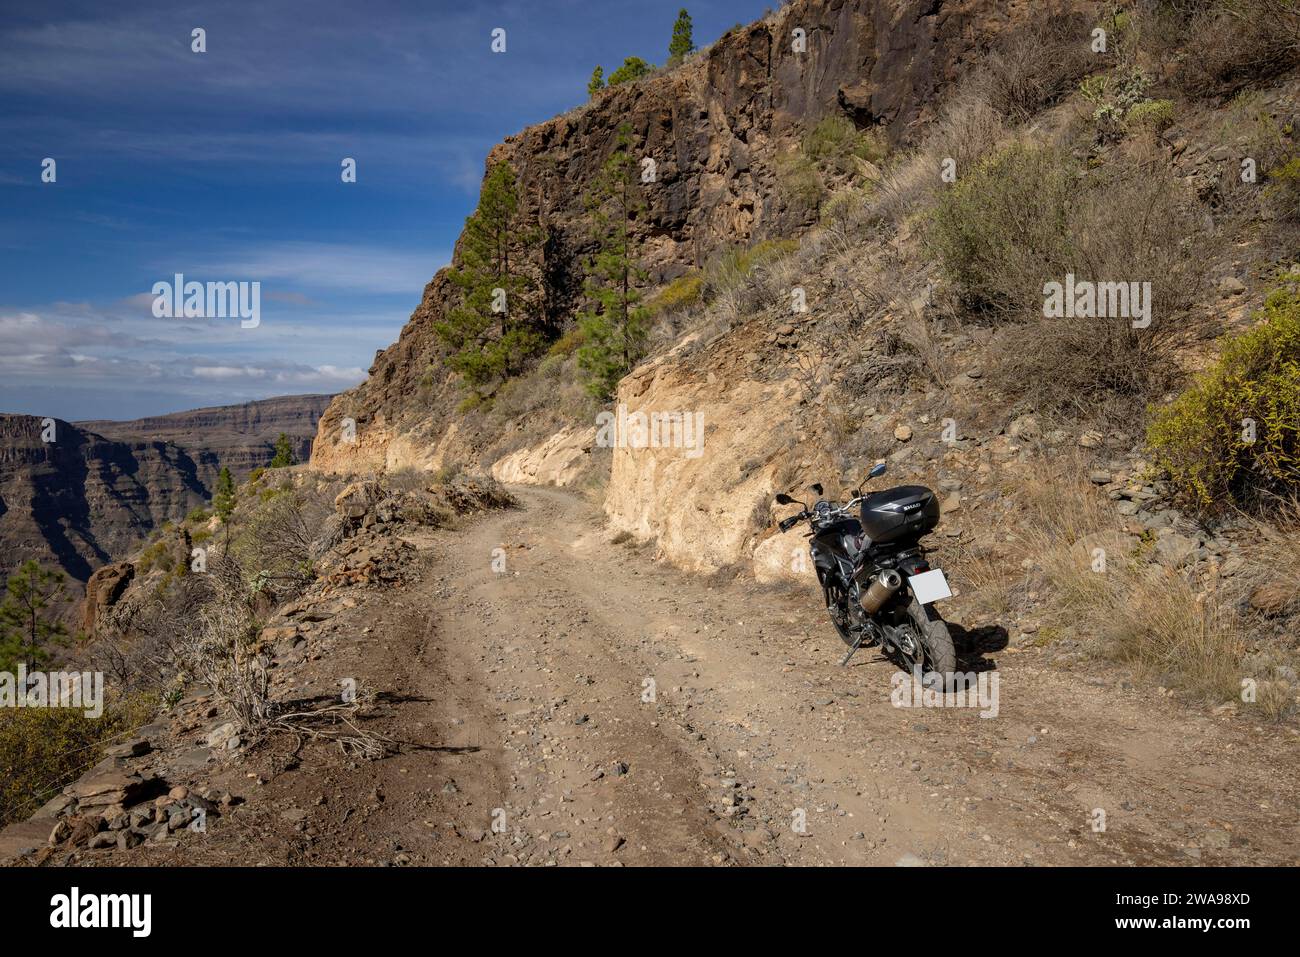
x=106, y=789
x=1175, y=550
x=23, y=837
x=222, y=735
x=103, y=590
x=1230, y=286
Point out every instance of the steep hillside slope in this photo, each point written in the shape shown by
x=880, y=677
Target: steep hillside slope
x=715, y=128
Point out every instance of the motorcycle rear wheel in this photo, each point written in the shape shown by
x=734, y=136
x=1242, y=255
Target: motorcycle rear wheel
x=940, y=652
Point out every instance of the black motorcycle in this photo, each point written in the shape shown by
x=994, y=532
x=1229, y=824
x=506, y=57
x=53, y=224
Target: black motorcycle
x=879, y=588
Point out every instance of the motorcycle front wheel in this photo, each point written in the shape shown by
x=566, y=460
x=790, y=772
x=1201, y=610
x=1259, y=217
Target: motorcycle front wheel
x=837, y=606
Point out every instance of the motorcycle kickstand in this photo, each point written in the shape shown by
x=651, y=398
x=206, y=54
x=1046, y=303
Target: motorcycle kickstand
x=853, y=649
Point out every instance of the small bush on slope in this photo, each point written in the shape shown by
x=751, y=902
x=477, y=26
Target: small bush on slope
x=681, y=293
x=798, y=181
x=1129, y=610
x=835, y=142
x=1235, y=435
x=1027, y=216
x=1037, y=66
x=1001, y=231
x=43, y=749
x=1232, y=44
x=1284, y=188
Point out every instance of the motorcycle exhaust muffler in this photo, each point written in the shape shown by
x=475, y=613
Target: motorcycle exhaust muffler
x=882, y=589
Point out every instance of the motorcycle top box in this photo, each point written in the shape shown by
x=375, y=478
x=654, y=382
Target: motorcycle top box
x=906, y=511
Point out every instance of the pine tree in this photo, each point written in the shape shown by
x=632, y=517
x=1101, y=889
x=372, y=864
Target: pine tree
x=614, y=325
x=27, y=627
x=633, y=68
x=283, y=452
x=224, y=499
x=682, y=44
x=489, y=333
x=597, y=81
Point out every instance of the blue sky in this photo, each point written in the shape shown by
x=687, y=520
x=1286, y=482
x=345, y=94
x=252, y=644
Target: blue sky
x=225, y=166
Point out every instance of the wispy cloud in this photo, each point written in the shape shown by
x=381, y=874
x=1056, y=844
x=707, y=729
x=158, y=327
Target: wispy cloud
x=115, y=351
x=330, y=266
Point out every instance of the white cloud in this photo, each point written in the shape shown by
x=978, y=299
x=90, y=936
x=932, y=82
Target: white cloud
x=332, y=267
x=101, y=358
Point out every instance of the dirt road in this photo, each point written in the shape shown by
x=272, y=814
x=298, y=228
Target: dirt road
x=568, y=701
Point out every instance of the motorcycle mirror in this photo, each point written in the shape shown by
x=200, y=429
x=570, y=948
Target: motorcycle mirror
x=817, y=487
x=876, y=470
x=783, y=499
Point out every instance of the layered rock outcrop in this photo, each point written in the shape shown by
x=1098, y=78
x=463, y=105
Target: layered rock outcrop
x=91, y=495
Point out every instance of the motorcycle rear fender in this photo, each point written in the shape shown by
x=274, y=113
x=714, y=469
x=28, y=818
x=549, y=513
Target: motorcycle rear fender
x=913, y=565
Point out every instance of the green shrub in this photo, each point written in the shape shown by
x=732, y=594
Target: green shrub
x=682, y=292
x=1001, y=231
x=568, y=343
x=1028, y=216
x=835, y=141
x=798, y=181
x=843, y=207
x=1234, y=436
x=271, y=492
x=198, y=515
x=471, y=402
x=448, y=473
x=729, y=269
x=552, y=367
x=44, y=749
x=1118, y=92
x=158, y=555
x=633, y=68
x=1284, y=187
x=1155, y=115
x=276, y=537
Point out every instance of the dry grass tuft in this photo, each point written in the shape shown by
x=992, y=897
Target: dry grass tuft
x=1101, y=589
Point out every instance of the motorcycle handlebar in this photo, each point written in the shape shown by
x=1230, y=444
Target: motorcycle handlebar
x=786, y=524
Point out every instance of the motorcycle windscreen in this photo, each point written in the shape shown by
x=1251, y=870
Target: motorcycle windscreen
x=929, y=586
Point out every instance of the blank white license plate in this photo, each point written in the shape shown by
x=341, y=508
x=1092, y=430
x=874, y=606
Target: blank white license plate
x=930, y=586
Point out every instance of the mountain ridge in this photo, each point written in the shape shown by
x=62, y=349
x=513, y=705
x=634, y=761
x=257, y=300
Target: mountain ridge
x=94, y=492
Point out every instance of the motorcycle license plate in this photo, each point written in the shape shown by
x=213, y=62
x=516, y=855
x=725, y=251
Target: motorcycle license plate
x=930, y=586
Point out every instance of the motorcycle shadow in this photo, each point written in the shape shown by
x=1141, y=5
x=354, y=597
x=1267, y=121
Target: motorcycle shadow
x=973, y=644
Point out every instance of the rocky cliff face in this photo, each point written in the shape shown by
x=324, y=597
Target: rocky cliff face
x=240, y=437
x=98, y=488
x=715, y=128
